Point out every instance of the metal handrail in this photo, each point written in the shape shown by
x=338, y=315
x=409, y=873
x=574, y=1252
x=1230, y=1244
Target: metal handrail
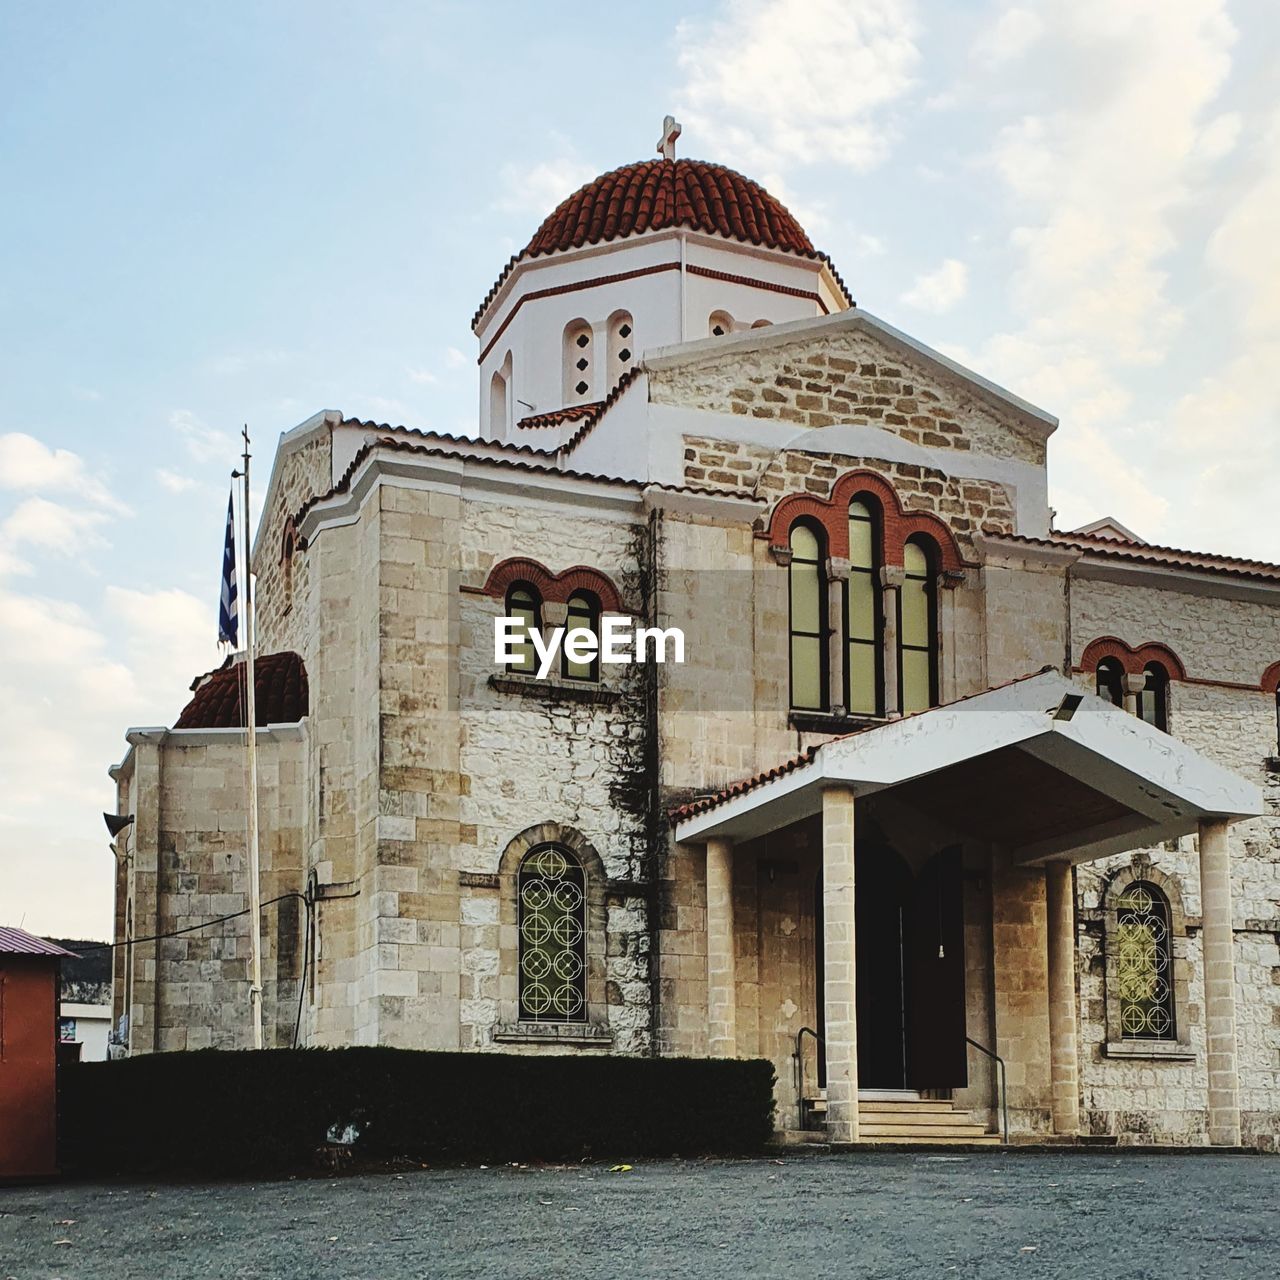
x=1004, y=1084
x=799, y=1057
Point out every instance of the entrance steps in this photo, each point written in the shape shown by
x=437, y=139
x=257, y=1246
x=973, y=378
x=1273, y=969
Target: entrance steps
x=900, y=1120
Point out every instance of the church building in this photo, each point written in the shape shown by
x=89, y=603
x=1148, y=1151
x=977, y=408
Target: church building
x=969, y=825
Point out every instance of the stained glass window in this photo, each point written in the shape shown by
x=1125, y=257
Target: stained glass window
x=553, y=936
x=917, y=631
x=862, y=613
x=1143, y=965
x=808, y=623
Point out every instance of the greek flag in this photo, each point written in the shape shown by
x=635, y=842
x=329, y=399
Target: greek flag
x=228, y=610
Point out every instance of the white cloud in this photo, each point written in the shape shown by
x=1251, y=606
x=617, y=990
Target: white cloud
x=174, y=481
x=204, y=443
x=776, y=84
x=423, y=377
x=29, y=466
x=71, y=680
x=538, y=188
x=939, y=290
x=1012, y=35
x=456, y=359
x=51, y=526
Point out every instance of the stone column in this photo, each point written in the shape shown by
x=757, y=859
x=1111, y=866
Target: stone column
x=837, y=576
x=839, y=981
x=1063, y=1066
x=1219, y=983
x=1132, y=686
x=721, y=1010
x=891, y=579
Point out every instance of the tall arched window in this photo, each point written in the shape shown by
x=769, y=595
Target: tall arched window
x=1153, y=701
x=808, y=618
x=622, y=346
x=1143, y=964
x=551, y=888
x=500, y=401
x=1110, y=681
x=578, y=362
x=918, y=628
x=524, y=603
x=288, y=546
x=584, y=614
x=863, y=657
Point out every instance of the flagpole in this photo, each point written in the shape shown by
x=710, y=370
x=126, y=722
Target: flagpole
x=251, y=749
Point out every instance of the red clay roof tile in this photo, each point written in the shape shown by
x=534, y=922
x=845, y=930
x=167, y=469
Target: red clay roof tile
x=280, y=684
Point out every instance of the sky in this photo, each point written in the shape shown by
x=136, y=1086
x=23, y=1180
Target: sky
x=215, y=215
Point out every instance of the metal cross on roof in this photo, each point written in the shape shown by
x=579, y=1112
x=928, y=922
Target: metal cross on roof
x=667, y=143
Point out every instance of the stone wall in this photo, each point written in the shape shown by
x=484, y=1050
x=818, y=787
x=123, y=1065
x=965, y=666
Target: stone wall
x=847, y=377
x=1218, y=640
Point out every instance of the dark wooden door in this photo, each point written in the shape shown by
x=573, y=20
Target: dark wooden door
x=937, y=1057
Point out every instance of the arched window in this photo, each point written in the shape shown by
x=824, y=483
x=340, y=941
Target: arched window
x=500, y=401
x=1153, y=701
x=551, y=888
x=761, y=324
x=1110, y=681
x=918, y=628
x=808, y=618
x=863, y=659
x=288, y=546
x=719, y=323
x=622, y=345
x=578, y=362
x=524, y=603
x=584, y=614
x=1143, y=964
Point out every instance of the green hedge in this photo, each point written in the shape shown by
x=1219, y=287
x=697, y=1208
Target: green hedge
x=220, y=1112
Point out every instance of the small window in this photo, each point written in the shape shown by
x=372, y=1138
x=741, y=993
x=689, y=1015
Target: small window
x=918, y=629
x=1153, y=701
x=622, y=345
x=584, y=614
x=720, y=323
x=1143, y=964
x=579, y=362
x=524, y=603
x=1110, y=681
x=863, y=613
x=551, y=888
x=808, y=618
x=287, y=548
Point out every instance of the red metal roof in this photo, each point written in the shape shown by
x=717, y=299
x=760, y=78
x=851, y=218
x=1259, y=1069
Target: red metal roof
x=280, y=684
x=18, y=942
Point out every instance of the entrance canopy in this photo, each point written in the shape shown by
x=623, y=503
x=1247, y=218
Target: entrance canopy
x=1038, y=767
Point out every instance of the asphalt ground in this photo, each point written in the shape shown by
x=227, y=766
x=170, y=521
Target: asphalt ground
x=989, y=1214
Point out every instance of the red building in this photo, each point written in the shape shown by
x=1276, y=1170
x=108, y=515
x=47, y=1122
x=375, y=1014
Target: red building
x=28, y=1054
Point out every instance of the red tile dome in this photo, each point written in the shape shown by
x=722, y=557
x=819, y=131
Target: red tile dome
x=655, y=194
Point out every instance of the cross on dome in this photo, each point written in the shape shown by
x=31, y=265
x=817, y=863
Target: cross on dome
x=667, y=143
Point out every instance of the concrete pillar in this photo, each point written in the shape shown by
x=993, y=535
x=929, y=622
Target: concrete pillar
x=722, y=1038
x=891, y=579
x=839, y=981
x=1061, y=930
x=1219, y=983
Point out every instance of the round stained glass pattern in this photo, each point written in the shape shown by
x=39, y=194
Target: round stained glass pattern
x=553, y=933
x=1143, y=968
